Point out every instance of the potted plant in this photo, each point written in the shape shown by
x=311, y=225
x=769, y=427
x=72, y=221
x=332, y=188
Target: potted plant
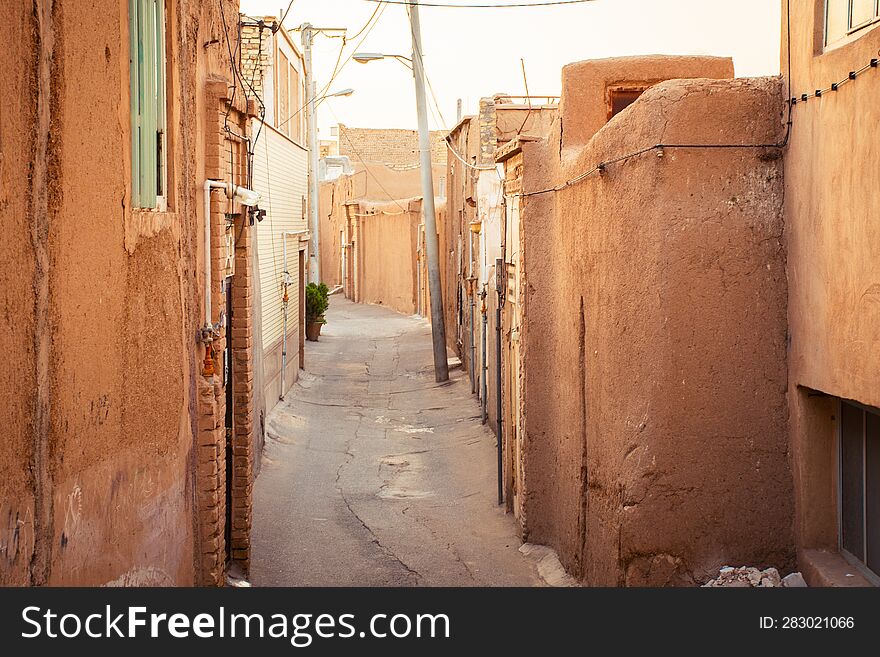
x=317, y=302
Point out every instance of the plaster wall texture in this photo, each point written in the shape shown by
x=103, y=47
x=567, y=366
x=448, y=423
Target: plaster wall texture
x=386, y=254
x=514, y=120
x=454, y=242
x=102, y=303
x=371, y=183
x=593, y=101
x=375, y=181
x=833, y=242
x=655, y=446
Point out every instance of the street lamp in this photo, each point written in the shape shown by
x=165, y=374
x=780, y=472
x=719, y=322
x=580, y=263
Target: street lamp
x=438, y=328
x=366, y=57
x=335, y=94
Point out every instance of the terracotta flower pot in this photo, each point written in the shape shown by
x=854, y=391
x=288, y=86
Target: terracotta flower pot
x=313, y=330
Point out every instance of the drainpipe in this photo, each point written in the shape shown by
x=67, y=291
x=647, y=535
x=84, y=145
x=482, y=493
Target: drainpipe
x=419, y=310
x=473, y=368
x=499, y=264
x=500, y=285
x=284, y=300
x=484, y=373
x=209, y=185
x=209, y=331
x=471, y=292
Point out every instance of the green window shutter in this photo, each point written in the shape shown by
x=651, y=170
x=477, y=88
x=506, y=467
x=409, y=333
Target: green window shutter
x=147, y=97
x=160, y=97
x=134, y=89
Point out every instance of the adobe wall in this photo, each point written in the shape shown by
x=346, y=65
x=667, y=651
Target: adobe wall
x=98, y=449
x=388, y=240
x=371, y=183
x=654, y=340
x=833, y=241
x=514, y=120
x=393, y=147
x=593, y=101
x=461, y=197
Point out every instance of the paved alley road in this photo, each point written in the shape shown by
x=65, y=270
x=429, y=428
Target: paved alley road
x=374, y=475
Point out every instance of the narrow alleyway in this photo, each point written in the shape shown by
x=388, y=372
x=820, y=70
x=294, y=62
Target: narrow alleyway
x=374, y=475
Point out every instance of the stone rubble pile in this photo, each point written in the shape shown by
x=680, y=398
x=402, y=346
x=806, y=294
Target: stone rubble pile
x=749, y=576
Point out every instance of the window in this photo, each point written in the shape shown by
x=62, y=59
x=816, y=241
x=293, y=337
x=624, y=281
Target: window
x=843, y=17
x=284, y=119
x=289, y=104
x=619, y=97
x=860, y=485
x=148, y=110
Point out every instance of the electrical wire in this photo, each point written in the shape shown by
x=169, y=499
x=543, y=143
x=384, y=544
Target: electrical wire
x=360, y=31
x=788, y=46
x=602, y=167
x=359, y=157
x=365, y=30
x=449, y=146
x=281, y=22
x=853, y=75
x=511, y=5
x=232, y=64
x=337, y=69
x=382, y=212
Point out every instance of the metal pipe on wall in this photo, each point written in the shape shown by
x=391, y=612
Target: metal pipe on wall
x=484, y=369
x=284, y=301
x=472, y=292
x=499, y=275
x=209, y=185
x=472, y=368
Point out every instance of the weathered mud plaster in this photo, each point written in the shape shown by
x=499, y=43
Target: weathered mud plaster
x=101, y=302
x=832, y=238
x=655, y=445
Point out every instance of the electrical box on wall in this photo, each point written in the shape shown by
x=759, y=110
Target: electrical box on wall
x=229, y=251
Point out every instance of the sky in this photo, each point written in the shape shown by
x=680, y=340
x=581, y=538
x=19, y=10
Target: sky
x=471, y=53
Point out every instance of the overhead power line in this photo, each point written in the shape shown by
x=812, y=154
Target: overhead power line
x=284, y=15
x=509, y=5
x=362, y=161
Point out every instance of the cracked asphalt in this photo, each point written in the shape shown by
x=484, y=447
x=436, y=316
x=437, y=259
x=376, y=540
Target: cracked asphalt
x=374, y=475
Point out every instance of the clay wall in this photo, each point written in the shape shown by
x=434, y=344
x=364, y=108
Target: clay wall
x=654, y=336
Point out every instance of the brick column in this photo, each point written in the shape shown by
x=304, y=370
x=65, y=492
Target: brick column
x=211, y=463
x=243, y=382
x=211, y=482
x=488, y=134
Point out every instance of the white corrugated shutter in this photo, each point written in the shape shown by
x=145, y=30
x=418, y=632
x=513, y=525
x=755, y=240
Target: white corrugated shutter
x=281, y=177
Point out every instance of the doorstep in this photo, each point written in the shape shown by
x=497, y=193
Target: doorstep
x=829, y=568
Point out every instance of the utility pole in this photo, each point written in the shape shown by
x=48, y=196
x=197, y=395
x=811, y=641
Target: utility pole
x=308, y=33
x=438, y=328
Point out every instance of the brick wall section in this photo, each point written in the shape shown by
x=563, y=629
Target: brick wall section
x=397, y=149
x=211, y=470
x=211, y=477
x=243, y=400
x=488, y=134
x=211, y=481
x=254, y=55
